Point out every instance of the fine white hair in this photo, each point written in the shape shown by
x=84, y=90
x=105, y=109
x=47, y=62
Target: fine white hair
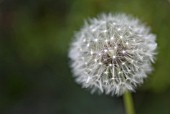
x=112, y=54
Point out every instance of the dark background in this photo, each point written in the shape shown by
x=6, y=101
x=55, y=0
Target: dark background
x=35, y=77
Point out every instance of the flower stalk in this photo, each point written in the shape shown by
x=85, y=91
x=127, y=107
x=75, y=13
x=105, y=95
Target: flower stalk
x=128, y=102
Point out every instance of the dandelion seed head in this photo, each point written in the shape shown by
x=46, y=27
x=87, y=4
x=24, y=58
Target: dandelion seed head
x=116, y=54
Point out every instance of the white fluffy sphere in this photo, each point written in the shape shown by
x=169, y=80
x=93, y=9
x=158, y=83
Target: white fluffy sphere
x=112, y=54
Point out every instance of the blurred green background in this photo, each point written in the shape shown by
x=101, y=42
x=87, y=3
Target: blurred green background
x=35, y=77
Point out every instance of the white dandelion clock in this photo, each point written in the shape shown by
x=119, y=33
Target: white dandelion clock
x=112, y=54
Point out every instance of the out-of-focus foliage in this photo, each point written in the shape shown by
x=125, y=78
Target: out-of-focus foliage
x=34, y=68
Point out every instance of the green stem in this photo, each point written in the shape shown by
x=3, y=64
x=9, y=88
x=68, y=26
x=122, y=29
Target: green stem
x=128, y=102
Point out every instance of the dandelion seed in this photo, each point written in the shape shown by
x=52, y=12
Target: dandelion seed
x=105, y=50
x=115, y=47
x=123, y=63
x=105, y=31
x=114, y=57
x=112, y=38
x=88, y=45
x=123, y=51
x=96, y=40
x=84, y=40
x=119, y=29
x=91, y=52
x=106, y=40
x=100, y=63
